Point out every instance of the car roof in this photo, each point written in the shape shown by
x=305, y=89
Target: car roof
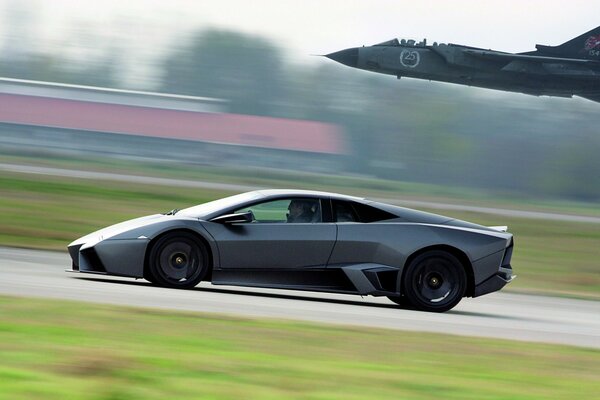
x=306, y=193
x=228, y=204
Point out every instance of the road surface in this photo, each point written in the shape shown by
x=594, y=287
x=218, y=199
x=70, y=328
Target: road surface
x=499, y=315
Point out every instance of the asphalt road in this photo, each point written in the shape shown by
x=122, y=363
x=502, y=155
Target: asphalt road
x=499, y=315
x=149, y=180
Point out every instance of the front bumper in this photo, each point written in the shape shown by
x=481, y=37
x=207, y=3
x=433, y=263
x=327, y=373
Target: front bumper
x=110, y=257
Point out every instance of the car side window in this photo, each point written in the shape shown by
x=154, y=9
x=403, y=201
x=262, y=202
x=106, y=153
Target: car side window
x=349, y=211
x=296, y=210
x=343, y=212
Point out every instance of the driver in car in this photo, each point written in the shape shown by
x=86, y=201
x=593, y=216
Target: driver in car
x=299, y=211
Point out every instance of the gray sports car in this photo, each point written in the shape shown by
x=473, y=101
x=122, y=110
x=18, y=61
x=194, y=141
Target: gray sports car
x=306, y=240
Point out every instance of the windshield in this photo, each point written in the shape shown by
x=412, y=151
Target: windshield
x=202, y=210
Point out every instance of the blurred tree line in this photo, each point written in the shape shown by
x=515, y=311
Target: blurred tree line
x=409, y=130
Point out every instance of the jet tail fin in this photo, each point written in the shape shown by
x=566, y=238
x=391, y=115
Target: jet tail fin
x=585, y=46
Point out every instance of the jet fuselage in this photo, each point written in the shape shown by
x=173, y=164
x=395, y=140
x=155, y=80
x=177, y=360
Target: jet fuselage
x=551, y=71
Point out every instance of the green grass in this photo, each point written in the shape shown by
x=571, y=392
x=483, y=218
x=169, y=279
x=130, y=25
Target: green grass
x=550, y=257
x=50, y=212
x=68, y=350
x=363, y=186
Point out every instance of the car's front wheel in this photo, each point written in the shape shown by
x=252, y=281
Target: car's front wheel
x=434, y=281
x=177, y=260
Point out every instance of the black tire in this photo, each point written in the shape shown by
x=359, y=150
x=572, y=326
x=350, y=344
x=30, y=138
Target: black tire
x=435, y=281
x=177, y=260
x=401, y=301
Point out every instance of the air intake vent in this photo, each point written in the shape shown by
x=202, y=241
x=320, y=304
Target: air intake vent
x=383, y=279
x=89, y=261
x=508, y=255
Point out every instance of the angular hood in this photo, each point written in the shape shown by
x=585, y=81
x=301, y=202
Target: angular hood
x=119, y=228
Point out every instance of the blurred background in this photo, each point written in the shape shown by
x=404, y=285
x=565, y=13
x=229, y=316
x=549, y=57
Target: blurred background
x=114, y=109
x=235, y=85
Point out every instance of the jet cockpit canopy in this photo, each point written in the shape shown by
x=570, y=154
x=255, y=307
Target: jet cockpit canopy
x=393, y=42
x=403, y=42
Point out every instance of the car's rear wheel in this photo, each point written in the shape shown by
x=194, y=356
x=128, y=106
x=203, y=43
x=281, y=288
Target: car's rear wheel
x=401, y=301
x=177, y=260
x=434, y=281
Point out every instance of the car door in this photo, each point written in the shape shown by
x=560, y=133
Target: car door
x=273, y=240
x=360, y=238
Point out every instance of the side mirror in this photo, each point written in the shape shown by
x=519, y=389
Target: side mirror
x=237, y=218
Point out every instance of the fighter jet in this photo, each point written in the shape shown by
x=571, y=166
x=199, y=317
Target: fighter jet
x=570, y=69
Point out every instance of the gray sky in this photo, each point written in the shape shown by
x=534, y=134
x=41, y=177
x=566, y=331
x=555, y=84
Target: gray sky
x=146, y=28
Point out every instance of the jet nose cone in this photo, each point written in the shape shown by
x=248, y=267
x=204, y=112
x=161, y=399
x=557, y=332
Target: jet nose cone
x=347, y=57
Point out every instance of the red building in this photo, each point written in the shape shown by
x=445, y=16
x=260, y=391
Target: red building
x=143, y=124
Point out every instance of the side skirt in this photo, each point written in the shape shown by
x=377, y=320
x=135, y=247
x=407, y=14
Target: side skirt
x=362, y=279
x=317, y=279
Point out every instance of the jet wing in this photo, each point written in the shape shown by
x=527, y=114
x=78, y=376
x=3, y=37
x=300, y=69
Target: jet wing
x=497, y=56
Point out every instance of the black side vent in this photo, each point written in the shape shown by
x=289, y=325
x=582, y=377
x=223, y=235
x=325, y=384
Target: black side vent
x=383, y=279
x=93, y=262
x=74, y=253
x=388, y=280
